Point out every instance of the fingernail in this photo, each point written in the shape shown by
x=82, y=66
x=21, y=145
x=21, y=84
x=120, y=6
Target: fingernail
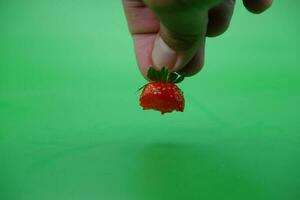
x=179, y=64
x=163, y=55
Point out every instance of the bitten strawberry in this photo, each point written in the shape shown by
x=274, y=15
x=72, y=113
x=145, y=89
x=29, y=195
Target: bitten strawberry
x=161, y=93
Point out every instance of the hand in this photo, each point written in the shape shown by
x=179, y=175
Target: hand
x=172, y=33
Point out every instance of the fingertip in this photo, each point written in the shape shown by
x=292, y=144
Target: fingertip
x=195, y=65
x=217, y=25
x=163, y=55
x=143, y=71
x=219, y=18
x=143, y=49
x=257, y=6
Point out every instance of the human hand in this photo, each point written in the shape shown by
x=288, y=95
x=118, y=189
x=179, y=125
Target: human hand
x=172, y=33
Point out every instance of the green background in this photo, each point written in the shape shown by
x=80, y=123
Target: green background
x=71, y=127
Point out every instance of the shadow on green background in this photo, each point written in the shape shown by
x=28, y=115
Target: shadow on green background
x=172, y=171
x=71, y=127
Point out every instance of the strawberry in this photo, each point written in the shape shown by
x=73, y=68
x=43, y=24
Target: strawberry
x=161, y=93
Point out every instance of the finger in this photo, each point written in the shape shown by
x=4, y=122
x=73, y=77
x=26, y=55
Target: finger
x=219, y=18
x=144, y=27
x=257, y=6
x=196, y=64
x=139, y=18
x=143, y=50
x=182, y=32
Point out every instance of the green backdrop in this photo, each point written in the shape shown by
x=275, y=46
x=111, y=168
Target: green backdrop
x=71, y=127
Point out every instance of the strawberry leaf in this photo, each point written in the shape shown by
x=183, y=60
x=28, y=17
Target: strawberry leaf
x=159, y=74
x=141, y=88
x=172, y=77
x=179, y=79
x=164, y=74
x=152, y=74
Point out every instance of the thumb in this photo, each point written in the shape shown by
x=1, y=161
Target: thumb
x=174, y=50
x=182, y=34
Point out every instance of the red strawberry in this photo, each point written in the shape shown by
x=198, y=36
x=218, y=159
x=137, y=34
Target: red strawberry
x=161, y=93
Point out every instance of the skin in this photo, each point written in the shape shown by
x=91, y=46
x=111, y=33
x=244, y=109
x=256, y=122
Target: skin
x=172, y=33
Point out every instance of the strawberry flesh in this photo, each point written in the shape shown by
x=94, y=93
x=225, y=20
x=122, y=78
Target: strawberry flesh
x=162, y=96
